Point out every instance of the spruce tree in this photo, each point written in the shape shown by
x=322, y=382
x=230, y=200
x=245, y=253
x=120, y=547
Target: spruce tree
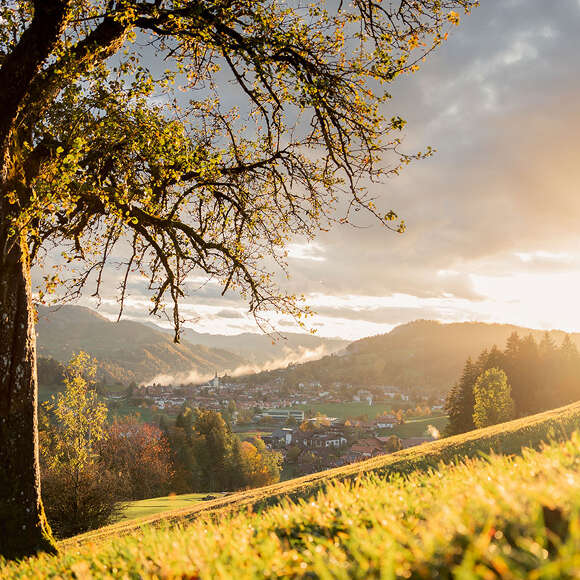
x=459, y=404
x=569, y=372
x=548, y=394
x=526, y=391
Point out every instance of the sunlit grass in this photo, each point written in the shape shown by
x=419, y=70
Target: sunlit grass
x=408, y=515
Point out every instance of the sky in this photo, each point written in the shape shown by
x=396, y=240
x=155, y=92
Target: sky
x=492, y=218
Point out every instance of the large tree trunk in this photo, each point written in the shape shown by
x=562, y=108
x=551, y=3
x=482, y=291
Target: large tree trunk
x=23, y=526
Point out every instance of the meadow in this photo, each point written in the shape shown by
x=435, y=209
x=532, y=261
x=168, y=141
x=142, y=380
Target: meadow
x=348, y=410
x=418, y=427
x=148, y=507
x=492, y=503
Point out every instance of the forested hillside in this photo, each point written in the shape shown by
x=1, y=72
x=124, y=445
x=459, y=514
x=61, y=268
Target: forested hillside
x=127, y=351
x=423, y=354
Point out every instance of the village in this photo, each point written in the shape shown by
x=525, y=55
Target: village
x=298, y=420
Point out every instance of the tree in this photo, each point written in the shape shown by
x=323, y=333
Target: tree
x=392, y=444
x=79, y=492
x=493, y=402
x=212, y=448
x=548, y=396
x=101, y=155
x=568, y=382
x=460, y=401
x=261, y=465
x=50, y=372
x=139, y=454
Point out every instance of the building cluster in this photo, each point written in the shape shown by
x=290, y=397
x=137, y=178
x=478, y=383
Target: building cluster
x=326, y=442
x=218, y=393
x=307, y=443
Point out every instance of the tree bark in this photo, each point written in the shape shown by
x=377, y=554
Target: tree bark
x=23, y=527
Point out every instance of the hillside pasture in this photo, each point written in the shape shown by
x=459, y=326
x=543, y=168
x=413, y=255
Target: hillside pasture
x=507, y=438
x=437, y=510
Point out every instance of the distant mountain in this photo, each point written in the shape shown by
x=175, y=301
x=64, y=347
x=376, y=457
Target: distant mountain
x=424, y=355
x=127, y=351
x=261, y=350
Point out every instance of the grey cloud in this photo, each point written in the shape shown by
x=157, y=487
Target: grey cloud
x=503, y=178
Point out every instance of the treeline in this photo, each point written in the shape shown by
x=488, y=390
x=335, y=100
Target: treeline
x=90, y=466
x=208, y=456
x=50, y=372
x=540, y=375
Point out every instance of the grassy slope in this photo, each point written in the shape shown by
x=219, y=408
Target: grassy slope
x=506, y=438
x=293, y=539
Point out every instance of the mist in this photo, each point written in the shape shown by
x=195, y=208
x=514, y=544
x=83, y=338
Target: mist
x=291, y=356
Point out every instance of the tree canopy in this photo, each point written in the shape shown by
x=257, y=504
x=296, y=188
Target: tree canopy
x=492, y=399
x=126, y=143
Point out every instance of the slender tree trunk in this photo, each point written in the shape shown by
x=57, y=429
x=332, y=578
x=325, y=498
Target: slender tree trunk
x=23, y=526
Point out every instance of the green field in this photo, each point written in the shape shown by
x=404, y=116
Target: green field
x=426, y=512
x=346, y=410
x=418, y=427
x=156, y=505
x=252, y=433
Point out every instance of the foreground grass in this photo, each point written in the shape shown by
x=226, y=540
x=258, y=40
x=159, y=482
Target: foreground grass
x=408, y=515
x=506, y=438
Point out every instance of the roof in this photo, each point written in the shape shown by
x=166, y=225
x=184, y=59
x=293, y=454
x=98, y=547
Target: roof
x=412, y=441
x=358, y=448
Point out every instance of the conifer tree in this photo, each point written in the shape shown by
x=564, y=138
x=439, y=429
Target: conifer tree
x=569, y=371
x=549, y=390
x=495, y=359
x=527, y=383
x=460, y=401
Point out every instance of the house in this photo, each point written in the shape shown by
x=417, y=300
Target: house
x=393, y=393
x=282, y=437
x=335, y=440
x=366, y=448
x=363, y=395
x=322, y=440
x=284, y=414
x=386, y=422
x=369, y=447
x=412, y=441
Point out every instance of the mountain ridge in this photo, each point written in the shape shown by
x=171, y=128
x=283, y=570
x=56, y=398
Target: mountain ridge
x=129, y=350
x=423, y=355
x=126, y=350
